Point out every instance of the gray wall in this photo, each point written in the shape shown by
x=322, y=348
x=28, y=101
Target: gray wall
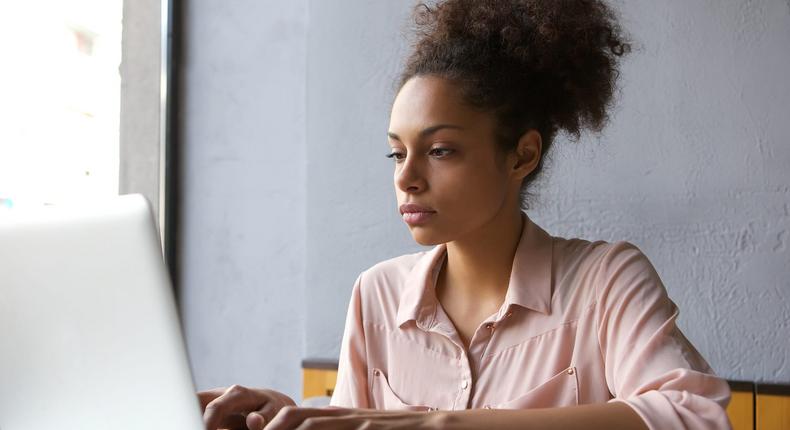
x=242, y=249
x=289, y=197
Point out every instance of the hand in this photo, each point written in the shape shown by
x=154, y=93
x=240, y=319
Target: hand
x=291, y=417
x=240, y=408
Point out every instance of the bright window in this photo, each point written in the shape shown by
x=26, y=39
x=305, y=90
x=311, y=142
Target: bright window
x=59, y=100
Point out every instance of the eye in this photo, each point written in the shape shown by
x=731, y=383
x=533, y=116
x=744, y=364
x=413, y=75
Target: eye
x=441, y=152
x=437, y=152
x=395, y=155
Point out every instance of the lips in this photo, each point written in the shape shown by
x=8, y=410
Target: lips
x=414, y=214
x=414, y=208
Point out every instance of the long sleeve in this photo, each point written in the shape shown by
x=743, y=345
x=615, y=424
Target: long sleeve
x=650, y=365
x=351, y=389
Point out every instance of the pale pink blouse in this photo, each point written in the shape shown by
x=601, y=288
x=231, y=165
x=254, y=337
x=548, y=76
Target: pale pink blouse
x=582, y=322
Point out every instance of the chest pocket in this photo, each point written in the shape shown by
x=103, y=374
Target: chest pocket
x=384, y=398
x=561, y=389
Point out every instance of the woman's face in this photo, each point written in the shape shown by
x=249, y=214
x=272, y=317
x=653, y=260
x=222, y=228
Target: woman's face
x=446, y=161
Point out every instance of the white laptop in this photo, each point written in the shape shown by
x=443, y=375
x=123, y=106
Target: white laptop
x=89, y=333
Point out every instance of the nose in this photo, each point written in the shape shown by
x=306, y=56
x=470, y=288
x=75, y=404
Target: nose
x=409, y=177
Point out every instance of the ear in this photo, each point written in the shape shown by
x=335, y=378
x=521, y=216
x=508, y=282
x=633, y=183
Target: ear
x=527, y=154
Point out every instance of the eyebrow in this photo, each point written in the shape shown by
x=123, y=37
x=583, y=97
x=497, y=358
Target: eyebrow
x=428, y=131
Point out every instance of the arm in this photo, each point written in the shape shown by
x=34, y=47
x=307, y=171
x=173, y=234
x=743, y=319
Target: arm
x=650, y=365
x=595, y=416
x=351, y=389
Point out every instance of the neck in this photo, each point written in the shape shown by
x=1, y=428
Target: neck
x=478, y=264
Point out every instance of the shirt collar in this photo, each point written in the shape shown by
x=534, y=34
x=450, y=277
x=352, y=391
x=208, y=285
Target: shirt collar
x=529, y=286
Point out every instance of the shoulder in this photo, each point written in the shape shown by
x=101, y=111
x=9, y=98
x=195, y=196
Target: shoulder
x=600, y=257
x=604, y=267
x=621, y=271
x=624, y=261
x=381, y=287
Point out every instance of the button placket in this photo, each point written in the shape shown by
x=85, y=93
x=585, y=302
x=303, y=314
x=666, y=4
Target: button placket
x=464, y=373
x=486, y=342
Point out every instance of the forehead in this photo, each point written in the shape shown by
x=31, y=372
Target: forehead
x=428, y=100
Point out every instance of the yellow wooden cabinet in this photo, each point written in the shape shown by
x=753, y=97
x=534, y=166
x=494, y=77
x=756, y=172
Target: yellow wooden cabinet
x=773, y=407
x=741, y=407
x=318, y=377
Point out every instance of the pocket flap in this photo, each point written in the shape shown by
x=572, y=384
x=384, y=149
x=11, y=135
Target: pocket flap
x=561, y=389
x=385, y=398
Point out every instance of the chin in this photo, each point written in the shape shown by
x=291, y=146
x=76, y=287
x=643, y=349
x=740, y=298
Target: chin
x=425, y=238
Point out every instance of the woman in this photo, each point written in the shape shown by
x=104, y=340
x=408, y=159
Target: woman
x=500, y=325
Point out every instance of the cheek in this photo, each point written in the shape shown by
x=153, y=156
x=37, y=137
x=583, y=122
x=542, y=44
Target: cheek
x=472, y=184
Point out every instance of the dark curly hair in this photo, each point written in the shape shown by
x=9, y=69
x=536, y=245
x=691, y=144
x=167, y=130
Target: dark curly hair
x=548, y=65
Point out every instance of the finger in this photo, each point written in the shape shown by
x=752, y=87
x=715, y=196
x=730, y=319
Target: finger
x=257, y=420
x=208, y=395
x=235, y=421
x=234, y=401
x=290, y=417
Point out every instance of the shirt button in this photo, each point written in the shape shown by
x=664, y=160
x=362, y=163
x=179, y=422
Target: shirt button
x=570, y=371
x=464, y=385
x=490, y=326
x=376, y=372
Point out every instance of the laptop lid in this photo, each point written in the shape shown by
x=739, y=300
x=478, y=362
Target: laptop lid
x=89, y=332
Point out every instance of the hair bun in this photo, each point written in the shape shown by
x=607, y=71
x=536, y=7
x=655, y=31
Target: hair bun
x=560, y=53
